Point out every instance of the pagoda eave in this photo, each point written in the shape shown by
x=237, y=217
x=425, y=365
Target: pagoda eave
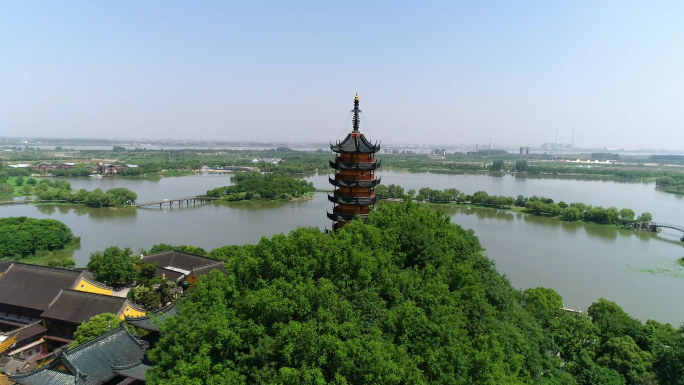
x=353, y=183
x=367, y=166
x=365, y=201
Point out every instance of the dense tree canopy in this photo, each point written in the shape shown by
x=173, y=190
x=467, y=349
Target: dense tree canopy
x=113, y=266
x=22, y=236
x=256, y=186
x=405, y=298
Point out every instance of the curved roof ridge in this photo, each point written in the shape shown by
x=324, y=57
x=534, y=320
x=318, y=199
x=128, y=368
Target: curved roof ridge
x=47, y=268
x=90, y=279
x=127, y=366
x=135, y=306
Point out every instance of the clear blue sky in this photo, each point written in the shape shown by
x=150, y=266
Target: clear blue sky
x=445, y=72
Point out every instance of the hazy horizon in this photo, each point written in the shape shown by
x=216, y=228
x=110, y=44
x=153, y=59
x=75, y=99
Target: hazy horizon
x=509, y=73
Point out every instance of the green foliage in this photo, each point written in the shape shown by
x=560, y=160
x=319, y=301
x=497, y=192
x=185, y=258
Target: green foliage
x=61, y=191
x=645, y=217
x=497, y=165
x=113, y=266
x=66, y=262
x=22, y=236
x=613, y=322
x=673, y=183
x=406, y=298
x=256, y=186
x=152, y=294
x=624, y=356
x=94, y=327
x=521, y=165
x=162, y=247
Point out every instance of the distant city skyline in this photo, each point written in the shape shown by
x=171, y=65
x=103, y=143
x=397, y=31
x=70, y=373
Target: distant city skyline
x=509, y=73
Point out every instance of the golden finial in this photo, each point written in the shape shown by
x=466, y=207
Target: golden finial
x=356, y=97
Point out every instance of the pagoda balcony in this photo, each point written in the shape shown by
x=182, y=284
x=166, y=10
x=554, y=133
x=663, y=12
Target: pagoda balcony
x=354, y=183
x=364, y=166
x=360, y=201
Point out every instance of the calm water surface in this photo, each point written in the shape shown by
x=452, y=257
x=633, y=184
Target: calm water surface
x=581, y=262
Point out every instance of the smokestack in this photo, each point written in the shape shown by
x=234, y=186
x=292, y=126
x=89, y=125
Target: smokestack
x=572, y=146
x=557, y=132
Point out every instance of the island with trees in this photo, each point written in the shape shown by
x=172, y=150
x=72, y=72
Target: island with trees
x=36, y=240
x=258, y=186
x=540, y=206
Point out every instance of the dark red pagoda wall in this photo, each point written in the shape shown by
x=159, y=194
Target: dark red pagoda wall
x=355, y=175
x=354, y=157
x=356, y=192
x=352, y=209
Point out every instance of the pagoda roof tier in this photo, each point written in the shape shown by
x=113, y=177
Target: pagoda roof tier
x=353, y=183
x=365, y=166
x=361, y=201
x=355, y=142
x=345, y=217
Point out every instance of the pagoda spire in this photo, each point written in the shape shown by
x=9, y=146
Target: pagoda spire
x=356, y=111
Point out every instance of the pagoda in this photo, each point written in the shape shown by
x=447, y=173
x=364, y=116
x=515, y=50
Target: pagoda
x=354, y=179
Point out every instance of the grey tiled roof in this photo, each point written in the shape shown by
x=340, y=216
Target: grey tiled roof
x=353, y=143
x=33, y=286
x=172, y=264
x=136, y=371
x=46, y=377
x=77, y=306
x=93, y=359
x=153, y=321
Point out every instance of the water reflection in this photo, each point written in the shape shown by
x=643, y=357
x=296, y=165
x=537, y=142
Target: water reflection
x=92, y=212
x=479, y=212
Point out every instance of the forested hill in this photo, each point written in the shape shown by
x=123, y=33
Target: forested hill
x=407, y=298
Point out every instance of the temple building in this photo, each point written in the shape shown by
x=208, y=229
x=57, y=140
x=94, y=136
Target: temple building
x=354, y=179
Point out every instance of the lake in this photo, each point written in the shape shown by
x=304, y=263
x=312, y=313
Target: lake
x=581, y=262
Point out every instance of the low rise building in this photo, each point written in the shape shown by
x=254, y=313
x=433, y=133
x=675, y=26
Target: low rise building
x=179, y=266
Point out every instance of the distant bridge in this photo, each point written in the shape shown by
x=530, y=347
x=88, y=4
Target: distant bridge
x=668, y=226
x=194, y=200
x=654, y=226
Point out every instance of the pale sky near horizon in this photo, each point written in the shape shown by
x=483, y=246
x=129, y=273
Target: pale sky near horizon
x=447, y=72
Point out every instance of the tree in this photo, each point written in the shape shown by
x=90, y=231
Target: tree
x=645, y=217
x=624, y=356
x=497, y=165
x=627, y=214
x=521, y=165
x=113, y=266
x=122, y=196
x=94, y=327
x=613, y=322
x=543, y=302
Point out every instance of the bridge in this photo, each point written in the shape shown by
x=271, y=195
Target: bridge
x=657, y=225
x=654, y=226
x=194, y=200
